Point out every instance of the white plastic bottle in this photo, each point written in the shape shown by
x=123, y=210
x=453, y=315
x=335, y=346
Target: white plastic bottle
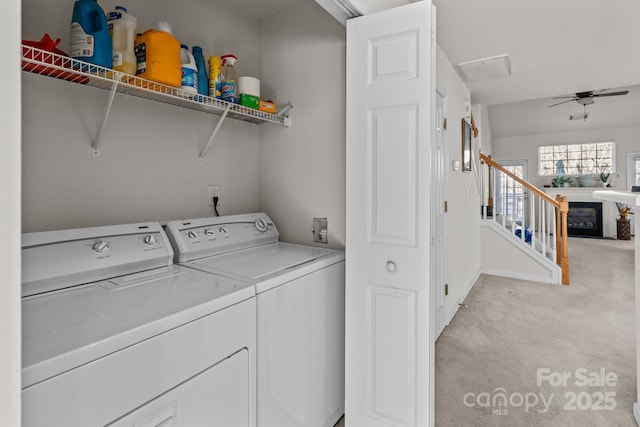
x=189, y=70
x=122, y=28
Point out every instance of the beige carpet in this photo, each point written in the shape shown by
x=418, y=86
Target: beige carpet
x=511, y=328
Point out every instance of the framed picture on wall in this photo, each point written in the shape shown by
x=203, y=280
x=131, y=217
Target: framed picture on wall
x=467, y=135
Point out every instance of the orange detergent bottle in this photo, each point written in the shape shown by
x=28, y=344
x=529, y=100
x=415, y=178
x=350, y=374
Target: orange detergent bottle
x=158, y=56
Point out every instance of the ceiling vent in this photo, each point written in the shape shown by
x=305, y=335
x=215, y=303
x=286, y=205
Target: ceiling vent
x=582, y=116
x=487, y=68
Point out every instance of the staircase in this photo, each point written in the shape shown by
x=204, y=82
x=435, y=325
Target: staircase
x=524, y=230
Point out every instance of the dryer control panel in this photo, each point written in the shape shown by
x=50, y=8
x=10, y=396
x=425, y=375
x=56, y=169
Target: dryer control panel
x=198, y=238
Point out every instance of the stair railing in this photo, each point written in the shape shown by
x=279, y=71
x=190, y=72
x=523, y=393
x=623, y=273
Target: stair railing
x=537, y=219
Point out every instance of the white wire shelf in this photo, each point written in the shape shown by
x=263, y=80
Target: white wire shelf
x=53, y=65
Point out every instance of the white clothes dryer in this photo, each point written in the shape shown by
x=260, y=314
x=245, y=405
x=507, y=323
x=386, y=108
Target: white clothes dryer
x=115, y=334
x=300, y=303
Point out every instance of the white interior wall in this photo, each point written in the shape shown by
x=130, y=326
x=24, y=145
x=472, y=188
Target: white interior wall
x=10, y=359
x=463, y=221
x=526, y=147
x=486, y=137
x=505, y=257
x=302, y=169
x=148, y=165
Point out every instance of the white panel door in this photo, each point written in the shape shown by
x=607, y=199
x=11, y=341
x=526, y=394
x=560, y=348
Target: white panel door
x=389, y=323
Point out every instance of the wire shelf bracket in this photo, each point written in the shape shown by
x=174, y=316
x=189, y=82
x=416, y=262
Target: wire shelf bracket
x=214, y=133
x=95, y=147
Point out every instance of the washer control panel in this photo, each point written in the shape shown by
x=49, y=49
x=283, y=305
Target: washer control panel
x=54, y=260
x=198, y=238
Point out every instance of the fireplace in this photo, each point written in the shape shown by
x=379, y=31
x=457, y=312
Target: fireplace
x=585, y=219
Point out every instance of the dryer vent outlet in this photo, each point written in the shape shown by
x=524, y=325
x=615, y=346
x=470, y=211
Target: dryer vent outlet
x=320, y=230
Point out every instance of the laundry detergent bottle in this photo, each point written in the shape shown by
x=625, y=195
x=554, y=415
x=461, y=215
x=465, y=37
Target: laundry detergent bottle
x=215, y=76
x=122, y=28
x=158, y=56
x=189, y=70
x=89, y=35
x=203, y=79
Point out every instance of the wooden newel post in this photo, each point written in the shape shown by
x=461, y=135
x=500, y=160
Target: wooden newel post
x=562, y=238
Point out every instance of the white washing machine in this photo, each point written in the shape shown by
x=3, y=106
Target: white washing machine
x=115, y=334
x=300, y=294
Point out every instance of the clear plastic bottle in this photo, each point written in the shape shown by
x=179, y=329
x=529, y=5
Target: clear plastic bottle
x=122, y=28
x=203, y=80
x=229, y=90
x=189, y=70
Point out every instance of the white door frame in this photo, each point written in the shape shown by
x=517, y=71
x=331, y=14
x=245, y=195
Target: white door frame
x=439, y=225
x=10, y=172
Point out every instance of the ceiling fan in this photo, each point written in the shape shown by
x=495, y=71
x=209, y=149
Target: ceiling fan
x=586, y=98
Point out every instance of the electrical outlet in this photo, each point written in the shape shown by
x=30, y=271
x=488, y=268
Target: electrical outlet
x=215, y=191
x=320, y=230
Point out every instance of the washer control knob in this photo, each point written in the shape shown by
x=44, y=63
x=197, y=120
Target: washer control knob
x=209, y=232
x=261, y=225
x=150, y=240
x=391, y=266
x=101, y=246
x=223, y=230
x=193, y=235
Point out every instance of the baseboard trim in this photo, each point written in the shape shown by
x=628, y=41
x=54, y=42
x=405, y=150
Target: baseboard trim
x=520, y=276
x=463, y=296
x=335, y=417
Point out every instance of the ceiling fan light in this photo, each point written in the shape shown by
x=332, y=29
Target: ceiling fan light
x=582, y=116
x=585, y=101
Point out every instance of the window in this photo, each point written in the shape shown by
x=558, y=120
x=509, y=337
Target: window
x=510, y=194
x=577, y=159
x=633, y=169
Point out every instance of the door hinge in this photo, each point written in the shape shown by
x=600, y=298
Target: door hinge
x=446, y=289
x=444, y=123
x=446, y=206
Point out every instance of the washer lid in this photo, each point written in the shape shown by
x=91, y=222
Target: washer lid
x=263, y=261
x=65, y=329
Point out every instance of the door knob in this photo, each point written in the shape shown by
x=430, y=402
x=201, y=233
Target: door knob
x=391, y=266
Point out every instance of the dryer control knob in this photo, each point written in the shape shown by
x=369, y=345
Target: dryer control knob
x=150, y=240
x=192, y=235
x=209, y=232
x=261, y=225
x=223, y=230
x=101, y=246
